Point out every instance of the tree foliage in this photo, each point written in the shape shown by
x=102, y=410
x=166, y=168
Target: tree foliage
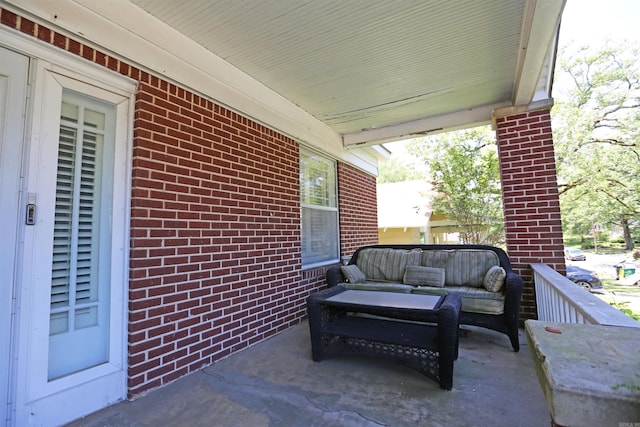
x=464, y=170
x=398, y=170
x=597, y=139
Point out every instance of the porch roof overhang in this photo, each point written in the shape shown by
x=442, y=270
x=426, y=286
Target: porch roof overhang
x=343, y=76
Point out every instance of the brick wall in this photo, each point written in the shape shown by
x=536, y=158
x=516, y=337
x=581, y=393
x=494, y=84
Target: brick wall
x=215, y=248
x=215, y=231
x=530, y=195
x=358, y=209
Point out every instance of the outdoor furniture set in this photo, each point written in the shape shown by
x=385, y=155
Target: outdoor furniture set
x=406, y=302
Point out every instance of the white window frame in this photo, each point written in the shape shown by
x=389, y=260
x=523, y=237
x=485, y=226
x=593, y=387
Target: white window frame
x=334, y=257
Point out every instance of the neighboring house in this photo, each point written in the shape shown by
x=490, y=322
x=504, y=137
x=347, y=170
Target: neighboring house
x=176, y=177
x=443, y=229
x=405, y=215
x=404, y=210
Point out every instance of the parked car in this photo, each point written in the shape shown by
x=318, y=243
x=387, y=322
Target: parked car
x=584, y=278
x=573, y=254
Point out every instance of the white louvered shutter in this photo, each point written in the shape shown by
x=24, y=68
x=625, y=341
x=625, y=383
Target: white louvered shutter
x=75, y=301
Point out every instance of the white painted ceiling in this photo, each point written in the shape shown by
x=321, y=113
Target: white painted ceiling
x=381, y=70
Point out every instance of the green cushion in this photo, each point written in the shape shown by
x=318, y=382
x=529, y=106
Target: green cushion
x=494, y=279
x=379, y=286
x=474, y=300
x=430, y=290
x=352, y=274
x=424, y=276
x=480, y=300
x=387, y=263
x=463, y=267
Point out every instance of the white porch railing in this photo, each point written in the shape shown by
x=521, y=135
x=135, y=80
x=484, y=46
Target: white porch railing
x=560, y=300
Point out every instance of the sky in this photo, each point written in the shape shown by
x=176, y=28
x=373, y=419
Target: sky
x=587, y=22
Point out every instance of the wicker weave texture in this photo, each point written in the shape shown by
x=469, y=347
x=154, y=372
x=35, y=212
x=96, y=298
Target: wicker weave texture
x=425, y=340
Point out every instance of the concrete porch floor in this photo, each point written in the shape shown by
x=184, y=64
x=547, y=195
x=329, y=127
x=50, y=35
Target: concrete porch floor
x=275, y=383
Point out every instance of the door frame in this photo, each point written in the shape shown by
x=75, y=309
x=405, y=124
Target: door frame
x=12, y=126
x=34, y=401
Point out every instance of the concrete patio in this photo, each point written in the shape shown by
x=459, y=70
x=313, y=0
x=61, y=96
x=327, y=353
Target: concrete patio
x=275, y=383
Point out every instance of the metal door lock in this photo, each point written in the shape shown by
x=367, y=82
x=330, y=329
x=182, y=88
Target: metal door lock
x=30, y=218
x=31, y=214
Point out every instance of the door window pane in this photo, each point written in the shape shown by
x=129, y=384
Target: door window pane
x=76, y=284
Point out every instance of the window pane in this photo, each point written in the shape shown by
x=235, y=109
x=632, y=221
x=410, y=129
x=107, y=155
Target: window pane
x=86, y=317
x=79, y=311
x=318, y=181
x=76, y=229
x=63, y=227
x=319, y=202
x=319, y=237
x=59, y=323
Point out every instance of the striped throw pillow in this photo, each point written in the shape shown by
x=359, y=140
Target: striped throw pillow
x=424, y=276
x=352, y=274
x=494, y=279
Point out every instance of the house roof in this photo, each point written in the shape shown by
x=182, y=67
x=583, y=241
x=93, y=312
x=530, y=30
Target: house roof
x=338, y=75
x=404, y=204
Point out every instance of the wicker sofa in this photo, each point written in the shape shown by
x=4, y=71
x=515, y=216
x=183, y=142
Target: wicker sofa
x=480, y=274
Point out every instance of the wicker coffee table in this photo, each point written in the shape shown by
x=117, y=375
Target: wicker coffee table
x=419, y=331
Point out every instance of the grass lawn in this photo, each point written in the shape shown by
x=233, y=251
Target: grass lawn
x=624, y=298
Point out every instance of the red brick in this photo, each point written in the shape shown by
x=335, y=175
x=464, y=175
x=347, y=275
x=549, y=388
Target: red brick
x=8, y=18
x=211, y=186
x=27, y=26
x=531, y=205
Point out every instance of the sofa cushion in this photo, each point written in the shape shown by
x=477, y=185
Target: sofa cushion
x=352, y=274
x=463, y=267
x=430, y=290
x=479, y=300
x=421, y=276
x=474, y=300
x=386, y=264
x=436, y=258
x=494, y=279
x=477, y=293
x=379, y=286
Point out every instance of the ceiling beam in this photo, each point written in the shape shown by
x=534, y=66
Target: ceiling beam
x=540, y=27
x=422, y=127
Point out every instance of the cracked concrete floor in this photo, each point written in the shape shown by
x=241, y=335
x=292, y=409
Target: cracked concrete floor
x=275, y=383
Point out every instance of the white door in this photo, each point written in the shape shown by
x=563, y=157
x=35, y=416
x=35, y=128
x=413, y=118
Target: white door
x=65, y=225
x=13, y=95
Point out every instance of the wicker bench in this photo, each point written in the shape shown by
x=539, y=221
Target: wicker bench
x=419, y=331
x=385, y=268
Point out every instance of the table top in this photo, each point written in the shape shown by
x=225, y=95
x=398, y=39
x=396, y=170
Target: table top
x=387, y=299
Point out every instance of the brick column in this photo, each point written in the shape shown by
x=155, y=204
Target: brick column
x=530, y=193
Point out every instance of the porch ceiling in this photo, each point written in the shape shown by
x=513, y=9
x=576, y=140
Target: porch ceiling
x=380, y=70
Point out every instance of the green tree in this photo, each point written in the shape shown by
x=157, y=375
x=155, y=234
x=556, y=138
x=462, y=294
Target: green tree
x=465, y=173
x=597, y=139
x=397, y=169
